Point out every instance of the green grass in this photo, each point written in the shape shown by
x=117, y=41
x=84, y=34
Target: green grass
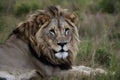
x=99, y=30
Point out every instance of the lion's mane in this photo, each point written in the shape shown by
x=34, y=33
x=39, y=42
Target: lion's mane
x=27, y=30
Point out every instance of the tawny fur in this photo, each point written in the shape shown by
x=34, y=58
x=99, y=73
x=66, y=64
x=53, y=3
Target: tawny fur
x=29, y=50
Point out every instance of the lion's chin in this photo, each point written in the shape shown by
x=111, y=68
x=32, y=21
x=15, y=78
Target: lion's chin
x=61, y=55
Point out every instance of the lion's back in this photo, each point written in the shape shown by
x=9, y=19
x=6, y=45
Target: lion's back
x=12, y=59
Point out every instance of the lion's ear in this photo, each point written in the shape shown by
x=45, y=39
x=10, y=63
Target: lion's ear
x=72, y=17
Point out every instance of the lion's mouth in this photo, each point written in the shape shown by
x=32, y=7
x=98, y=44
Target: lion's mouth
x=62, y=54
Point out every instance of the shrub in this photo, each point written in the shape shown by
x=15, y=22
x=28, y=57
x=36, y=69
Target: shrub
x=114, y=35
x=23, y=8
x=116, y=44
x=1, y=24
x=34, y=6
x=1, y=8
x=102, y=56
x=109, y=6
x=84, y=55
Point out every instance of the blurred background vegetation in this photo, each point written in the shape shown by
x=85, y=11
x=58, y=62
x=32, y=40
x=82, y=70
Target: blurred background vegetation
x=99, y=29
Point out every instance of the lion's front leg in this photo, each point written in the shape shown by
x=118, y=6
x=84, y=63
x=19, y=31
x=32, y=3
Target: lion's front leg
x=31, y=75
x=27, y=76
x=4, y=75
x=78, y=72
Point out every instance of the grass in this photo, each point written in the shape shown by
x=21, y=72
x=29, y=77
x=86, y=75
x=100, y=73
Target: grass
x=99, y=31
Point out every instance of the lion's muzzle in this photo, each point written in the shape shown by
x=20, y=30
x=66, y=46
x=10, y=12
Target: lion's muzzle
x=63, y=51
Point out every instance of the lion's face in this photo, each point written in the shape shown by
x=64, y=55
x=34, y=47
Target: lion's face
x=53, y=35
x=58, y=35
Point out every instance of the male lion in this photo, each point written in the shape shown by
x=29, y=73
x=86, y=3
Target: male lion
x=45, y=45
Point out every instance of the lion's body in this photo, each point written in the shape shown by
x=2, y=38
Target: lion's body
x=46, y=42
x=16, y=60
x=15, y=57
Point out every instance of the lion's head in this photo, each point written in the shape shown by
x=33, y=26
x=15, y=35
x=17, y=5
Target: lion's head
x=51, y=35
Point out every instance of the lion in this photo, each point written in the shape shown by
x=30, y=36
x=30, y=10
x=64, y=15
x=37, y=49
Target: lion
x=45, y=44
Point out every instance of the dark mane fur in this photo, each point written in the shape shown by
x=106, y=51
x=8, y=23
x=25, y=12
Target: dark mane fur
x=54, y=11
x=26, y=31
x=45, y=61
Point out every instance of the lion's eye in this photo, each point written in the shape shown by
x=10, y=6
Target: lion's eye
x=52, y=32
x=67, y=31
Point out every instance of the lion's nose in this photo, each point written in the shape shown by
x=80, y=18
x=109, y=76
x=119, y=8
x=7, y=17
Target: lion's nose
x=62, y=44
